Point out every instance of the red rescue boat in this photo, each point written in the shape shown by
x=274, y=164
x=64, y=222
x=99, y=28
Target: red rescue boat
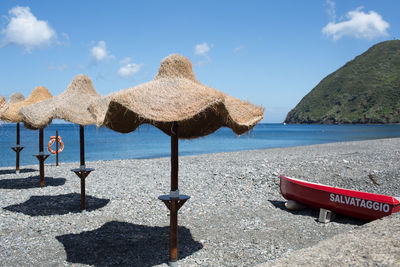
x=352, y=203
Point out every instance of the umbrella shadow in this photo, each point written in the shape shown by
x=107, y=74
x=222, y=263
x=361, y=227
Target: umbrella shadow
x=12, y=171
x=125, y=244
x=30, y=182
x=57, y=205
x=315, y=213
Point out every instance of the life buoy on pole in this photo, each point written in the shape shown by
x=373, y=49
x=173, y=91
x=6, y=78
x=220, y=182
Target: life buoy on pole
x=52, y=140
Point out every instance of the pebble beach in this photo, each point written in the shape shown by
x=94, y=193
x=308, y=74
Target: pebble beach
x=235, y=217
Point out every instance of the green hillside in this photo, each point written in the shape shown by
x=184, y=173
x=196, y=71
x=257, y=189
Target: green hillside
x=364, y=90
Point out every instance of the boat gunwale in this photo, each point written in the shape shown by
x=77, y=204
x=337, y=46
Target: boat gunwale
x=394, y=201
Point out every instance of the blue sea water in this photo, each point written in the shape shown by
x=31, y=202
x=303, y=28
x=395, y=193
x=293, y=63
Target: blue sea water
x=149, y=142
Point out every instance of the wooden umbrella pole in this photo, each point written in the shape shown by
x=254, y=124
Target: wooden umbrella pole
x=56, y=147
x=17, y=152
x=41, y=157
x=40, y=141
x=17, y=149
x=174, y=157
x=174, y=201
x=82, y=172
x=173, y=231
x=83, y=177
x=41, y=160
x=82, y=142
x=18, y=132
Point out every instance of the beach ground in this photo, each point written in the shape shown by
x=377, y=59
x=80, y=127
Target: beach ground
x=235, y=217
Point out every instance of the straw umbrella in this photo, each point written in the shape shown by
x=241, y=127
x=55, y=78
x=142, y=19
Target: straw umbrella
x=2, y=103
x=38, y=94
x=14, y=98
x=179, y=105
x=71, y=105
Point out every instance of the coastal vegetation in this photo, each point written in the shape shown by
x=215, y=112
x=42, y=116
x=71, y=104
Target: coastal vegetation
x=364, y=90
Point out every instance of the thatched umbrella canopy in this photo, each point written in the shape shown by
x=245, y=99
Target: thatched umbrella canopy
x=14, y=98
x=2, y=104
x=175, y=95
x=178, y=104
x=38, y=94
x=71, y=105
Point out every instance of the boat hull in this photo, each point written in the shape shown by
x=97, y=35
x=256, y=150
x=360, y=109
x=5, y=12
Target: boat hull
x=352, y=203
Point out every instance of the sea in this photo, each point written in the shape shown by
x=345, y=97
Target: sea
x=149, y=142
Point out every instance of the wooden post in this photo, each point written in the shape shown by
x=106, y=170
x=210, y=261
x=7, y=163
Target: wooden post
x=41, y=157
x=173, y=230
x=17, y=149
x=41, y=141
x=56, y=147
x=82, y=142
x=41, y=161
x=82, y=172
x=83, y=193
x=174, y=157
x=174, y=201
x=17, y=161
x=18, y=131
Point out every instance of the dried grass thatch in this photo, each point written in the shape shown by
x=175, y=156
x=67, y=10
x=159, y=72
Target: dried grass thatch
x=40, y=93
x=175, y=95
x=14, y=98
x=71, y=105
x=2, y=103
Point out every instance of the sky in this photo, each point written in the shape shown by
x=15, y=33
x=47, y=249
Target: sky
x=271, y=53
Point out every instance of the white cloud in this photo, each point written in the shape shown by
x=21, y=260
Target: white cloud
x=202, y=49
x=331, y=9
x=128, y=69
x=26, y=30
x=359, y=25
x=99, y=52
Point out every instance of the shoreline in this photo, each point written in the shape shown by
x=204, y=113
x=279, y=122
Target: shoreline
x=199, y=154
x=235, y=216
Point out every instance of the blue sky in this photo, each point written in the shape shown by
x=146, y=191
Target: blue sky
x=271, y=53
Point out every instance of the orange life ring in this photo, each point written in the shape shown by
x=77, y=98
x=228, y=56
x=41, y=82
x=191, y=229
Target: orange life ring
x=52, y=140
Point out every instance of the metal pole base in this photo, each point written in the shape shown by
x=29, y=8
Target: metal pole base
x=83, y=173
x=173, y=263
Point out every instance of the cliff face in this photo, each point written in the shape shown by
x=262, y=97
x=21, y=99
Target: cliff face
x=365, y=90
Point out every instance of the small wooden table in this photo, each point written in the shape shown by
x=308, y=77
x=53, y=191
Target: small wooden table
x=173, y=204
x=82, y=173
x=17, y=149
x=41, y=157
